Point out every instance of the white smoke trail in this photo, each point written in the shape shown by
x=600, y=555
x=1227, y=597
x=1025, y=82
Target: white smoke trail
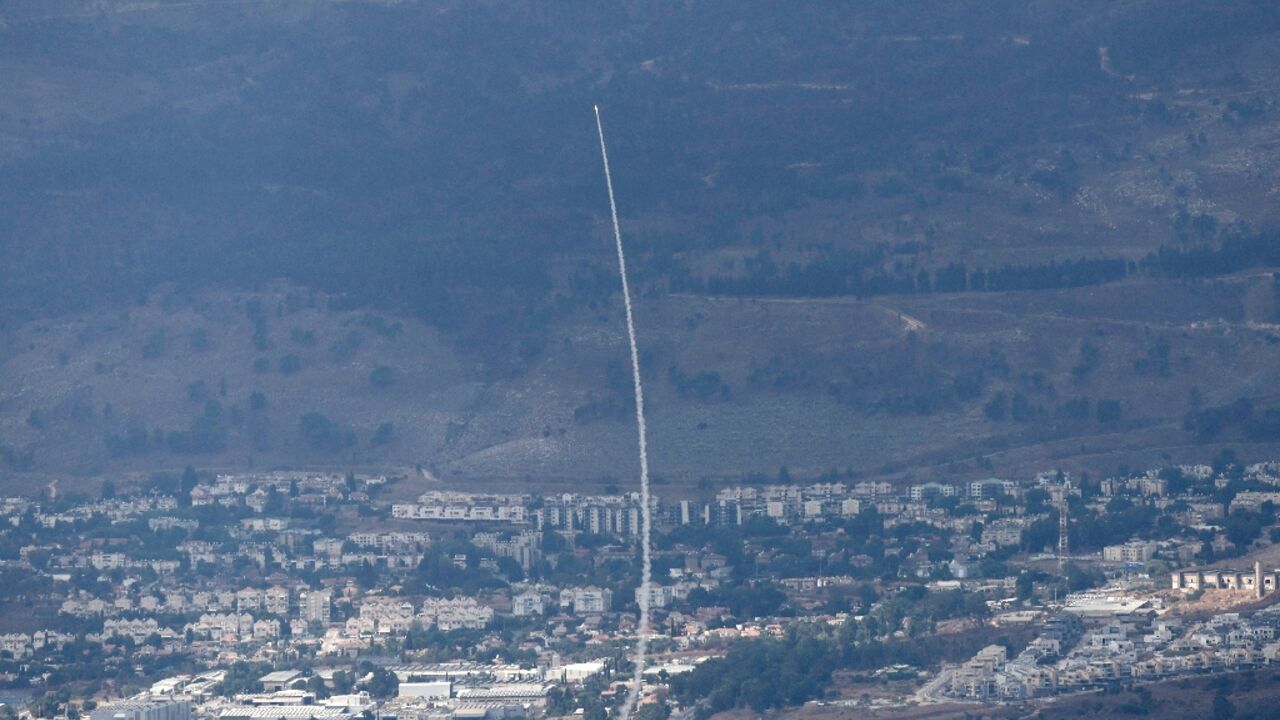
x=642, y=643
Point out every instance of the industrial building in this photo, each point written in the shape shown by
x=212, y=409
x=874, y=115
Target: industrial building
x=1260, y=582
x=143, y=710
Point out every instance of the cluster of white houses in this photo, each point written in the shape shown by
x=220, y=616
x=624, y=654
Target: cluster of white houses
x=466, y=507
x=1081, y=651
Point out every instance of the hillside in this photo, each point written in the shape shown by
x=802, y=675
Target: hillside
x=982, y=238
x=926, y=386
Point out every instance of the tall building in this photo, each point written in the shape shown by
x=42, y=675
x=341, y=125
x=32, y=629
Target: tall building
x=1063, y=530
x=316, y=606
x=276, y=601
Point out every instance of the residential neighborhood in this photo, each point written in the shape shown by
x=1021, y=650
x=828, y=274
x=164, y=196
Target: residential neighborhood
x=323, y=595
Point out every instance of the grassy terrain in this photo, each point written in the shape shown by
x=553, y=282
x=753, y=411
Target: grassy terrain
x=77, y=383
x=868, y=240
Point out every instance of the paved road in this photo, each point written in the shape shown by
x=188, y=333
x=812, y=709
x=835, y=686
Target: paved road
x=931, y=692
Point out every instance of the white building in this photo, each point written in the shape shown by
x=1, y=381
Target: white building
x=926, y=491
x=1134, y=551
x=315, y=606
x=528, y=603
x=386, y=615
x=276, y=601
x=454, y=614
x=659, y=596
x=587, y=600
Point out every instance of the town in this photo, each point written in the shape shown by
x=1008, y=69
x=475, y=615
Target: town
x=301, y=595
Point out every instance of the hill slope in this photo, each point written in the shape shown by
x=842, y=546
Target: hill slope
x=943, y=386
x=956, y=240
